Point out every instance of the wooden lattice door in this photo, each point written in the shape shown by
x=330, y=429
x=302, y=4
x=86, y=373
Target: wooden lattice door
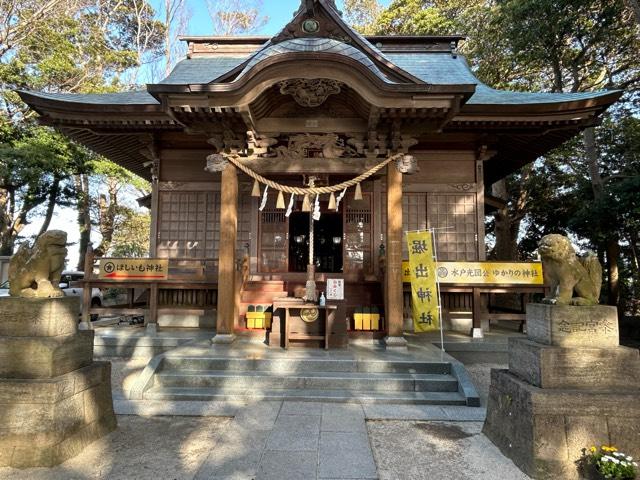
x=273, y=240
x=358, y=231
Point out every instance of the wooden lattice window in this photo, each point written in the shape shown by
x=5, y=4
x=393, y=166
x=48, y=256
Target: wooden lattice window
x=188, y=224
x=244, y=223
x=414, y=215
x=274, y=246
x=453, y=214
x=455, y=218
x=357, y=233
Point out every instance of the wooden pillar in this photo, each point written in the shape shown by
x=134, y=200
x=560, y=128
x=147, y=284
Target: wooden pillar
x=152, y=320
x=393, y=282
x=153, y=240
x=476, y=330
x=85, y=322
x=227, y=255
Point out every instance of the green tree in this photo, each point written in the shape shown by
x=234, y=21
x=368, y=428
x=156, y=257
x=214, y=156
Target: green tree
x=111, y=186
x=131, y=238
x=59, y=46
x=362, y=15
x=558, y=46
x=580, y=45
x=34, y=163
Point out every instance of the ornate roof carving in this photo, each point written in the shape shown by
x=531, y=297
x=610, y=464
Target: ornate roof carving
x=310, y=93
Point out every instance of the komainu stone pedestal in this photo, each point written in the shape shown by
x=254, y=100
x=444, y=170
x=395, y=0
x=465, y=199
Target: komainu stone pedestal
x=563, y=392
x=54, y=399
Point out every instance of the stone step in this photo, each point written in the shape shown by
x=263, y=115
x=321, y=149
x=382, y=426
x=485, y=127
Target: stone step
x=346, y=396
x=302, y=365
x=371, y=382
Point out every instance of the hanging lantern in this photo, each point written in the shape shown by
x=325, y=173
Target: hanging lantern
x=332, y=202
x=306, y=205
x=256, y=189
x=358, y=194
x=280, y=200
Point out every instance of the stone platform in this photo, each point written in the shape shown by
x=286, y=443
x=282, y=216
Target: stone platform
x=54, y=400
x=564, y=393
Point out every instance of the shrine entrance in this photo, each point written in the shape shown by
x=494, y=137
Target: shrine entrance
x=328, y=234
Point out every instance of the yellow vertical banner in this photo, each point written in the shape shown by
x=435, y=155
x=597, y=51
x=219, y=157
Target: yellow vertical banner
x=424, y=291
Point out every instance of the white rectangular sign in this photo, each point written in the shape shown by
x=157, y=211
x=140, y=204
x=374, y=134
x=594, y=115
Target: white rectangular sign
x=335, y=289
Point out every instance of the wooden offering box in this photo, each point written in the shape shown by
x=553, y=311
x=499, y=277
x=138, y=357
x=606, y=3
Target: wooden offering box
x=301, y=323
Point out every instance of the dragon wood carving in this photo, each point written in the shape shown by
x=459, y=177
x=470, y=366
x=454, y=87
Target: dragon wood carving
x=310, y=92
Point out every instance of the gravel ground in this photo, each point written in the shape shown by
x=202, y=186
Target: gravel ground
x=153, y=448
x=437, y=451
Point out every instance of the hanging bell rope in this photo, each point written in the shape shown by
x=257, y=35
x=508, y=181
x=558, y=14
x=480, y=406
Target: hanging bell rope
x=235, y=160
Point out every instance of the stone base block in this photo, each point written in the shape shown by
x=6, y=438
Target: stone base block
x=545, y=366
x=38, y=317
x=189, y=319
x=45, y=422
x=571, y=326
x=544, y=431
x=223, y=339
x=395, y=342
x=45, y=357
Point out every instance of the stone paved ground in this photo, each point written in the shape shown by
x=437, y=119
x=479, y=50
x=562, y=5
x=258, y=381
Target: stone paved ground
x=293, y=440
x=437, y=451
x=285, y=440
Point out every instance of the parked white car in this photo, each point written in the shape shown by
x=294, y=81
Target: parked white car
x=67, y=280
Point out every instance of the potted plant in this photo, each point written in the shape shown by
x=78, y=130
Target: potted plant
x=607, y=462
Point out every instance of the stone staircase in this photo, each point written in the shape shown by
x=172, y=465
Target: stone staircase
x=307, y=379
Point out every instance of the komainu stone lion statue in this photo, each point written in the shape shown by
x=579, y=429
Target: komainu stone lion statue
x=35, y=271
x=567, y=273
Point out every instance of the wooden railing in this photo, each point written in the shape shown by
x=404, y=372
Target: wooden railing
x=191, y=285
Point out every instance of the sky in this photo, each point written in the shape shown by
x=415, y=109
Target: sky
x=279, y=12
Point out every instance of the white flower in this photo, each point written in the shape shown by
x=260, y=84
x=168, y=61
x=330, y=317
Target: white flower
x=628, y=459
x=615, y=460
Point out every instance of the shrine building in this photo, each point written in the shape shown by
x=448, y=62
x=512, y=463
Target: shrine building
x=403, y=120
